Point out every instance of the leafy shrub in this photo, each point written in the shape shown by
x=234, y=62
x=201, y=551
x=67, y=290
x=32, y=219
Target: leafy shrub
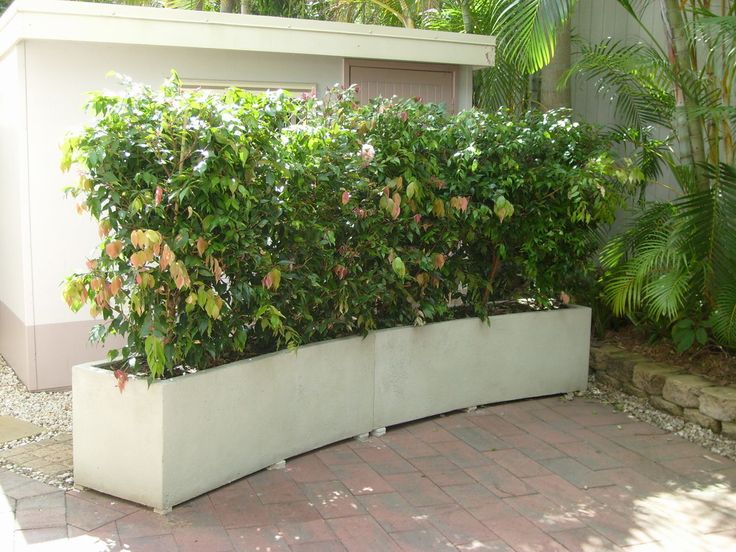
x=237, y=224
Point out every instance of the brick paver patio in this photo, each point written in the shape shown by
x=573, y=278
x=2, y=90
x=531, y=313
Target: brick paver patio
x=537, y=475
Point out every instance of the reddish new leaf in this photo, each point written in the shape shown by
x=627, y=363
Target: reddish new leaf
x=122, y=379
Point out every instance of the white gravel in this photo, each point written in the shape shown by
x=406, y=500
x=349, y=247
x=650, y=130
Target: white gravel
x=642, y=410
x=51, y=410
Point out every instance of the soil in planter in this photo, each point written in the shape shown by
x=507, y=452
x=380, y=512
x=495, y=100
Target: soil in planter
x=710, y=362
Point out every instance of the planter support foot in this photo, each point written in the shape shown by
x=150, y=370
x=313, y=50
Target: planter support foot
x=379, y=432
x=471, y=409
x=280, y=465
x=78, y=487
x=363, y=437
x=162, y=511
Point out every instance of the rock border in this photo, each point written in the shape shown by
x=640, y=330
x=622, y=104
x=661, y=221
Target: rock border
x=667, y=387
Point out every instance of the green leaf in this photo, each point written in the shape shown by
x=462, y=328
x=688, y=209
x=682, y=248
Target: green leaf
x=685, y=341
x=155, y=356
x=398, y=267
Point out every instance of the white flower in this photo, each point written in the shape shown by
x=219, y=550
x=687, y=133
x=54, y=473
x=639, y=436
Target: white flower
x=367, y=153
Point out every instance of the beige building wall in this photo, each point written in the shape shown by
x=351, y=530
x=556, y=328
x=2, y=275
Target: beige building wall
x=16, y=342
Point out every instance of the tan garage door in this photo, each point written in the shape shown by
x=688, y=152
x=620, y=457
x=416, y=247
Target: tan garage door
x=431, y=83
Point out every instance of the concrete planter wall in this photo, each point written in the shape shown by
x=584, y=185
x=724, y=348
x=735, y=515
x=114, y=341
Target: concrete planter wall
x=164, y=444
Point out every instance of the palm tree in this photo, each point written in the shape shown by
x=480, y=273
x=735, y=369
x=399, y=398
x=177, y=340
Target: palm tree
x=674, y=267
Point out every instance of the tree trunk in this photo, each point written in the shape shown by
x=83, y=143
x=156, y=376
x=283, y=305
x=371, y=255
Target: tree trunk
x=688, y=127
x=227, y=6
x=468, y=23
x=551, y=95
x=245, y=6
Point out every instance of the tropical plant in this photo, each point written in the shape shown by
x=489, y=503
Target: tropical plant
x=676, y=262
x=233, y=225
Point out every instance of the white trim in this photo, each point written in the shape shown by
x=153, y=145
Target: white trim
x=115, y=24
x=250, y=86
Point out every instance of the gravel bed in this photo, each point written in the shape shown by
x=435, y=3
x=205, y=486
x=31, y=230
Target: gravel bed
x=51, y=410
x=642, y=410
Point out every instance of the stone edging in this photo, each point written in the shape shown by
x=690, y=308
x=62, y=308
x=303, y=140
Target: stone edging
x=667, y=387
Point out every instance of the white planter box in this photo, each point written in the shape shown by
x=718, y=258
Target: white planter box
x=179, y=438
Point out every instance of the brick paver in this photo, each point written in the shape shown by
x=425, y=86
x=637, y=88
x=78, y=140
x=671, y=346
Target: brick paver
x=536, y=475
x=49, y=457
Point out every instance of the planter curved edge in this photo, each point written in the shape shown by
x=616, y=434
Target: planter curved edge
x=179, y=438
x=166, y=443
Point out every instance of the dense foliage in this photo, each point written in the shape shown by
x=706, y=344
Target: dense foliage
x=233, y=225
x=673, y=269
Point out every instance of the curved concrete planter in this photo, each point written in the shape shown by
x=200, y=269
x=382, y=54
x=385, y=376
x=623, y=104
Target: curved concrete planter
x=164, y=444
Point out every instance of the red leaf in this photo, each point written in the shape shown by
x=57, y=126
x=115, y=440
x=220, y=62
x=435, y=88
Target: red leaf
x=159, y=195
x=104, y=228
x=340, y=271
x=115, y=285
x=439, y=260
x=122, y=378
x=345, y=197
x=201, y=246
x=113, y=249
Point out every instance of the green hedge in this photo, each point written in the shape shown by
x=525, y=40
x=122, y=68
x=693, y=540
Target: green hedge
x=234, y=225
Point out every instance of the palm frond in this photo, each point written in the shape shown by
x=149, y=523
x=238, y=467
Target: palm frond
x=650, y=153
x=667, y=293
x=501, y=86
x=635, y=75
x=527, y=29
x=724, y=314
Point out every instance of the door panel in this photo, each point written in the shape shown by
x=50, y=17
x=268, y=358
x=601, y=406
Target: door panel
x=432, y=86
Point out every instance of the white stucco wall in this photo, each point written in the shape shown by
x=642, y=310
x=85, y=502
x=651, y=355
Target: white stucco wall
x=14, y=229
